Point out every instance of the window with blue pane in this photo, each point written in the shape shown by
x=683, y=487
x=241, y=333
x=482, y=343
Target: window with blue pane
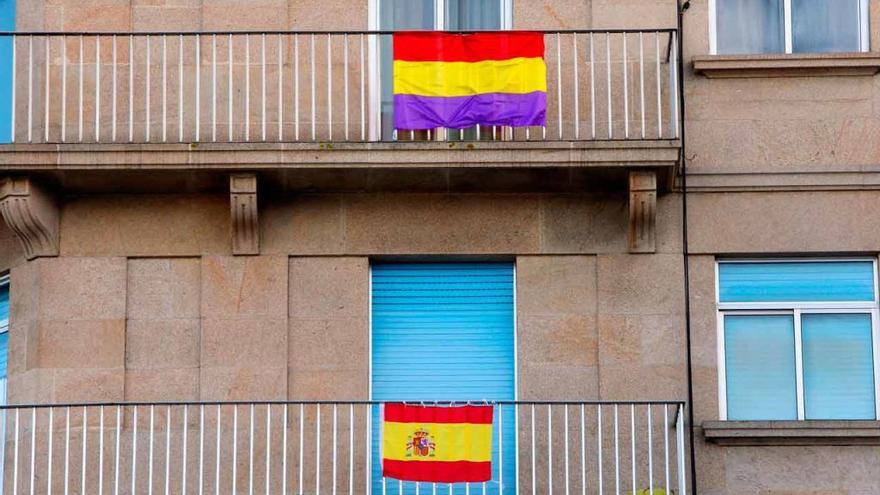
x=7, y=23
x=798, y=340
x=793, y=26
x=4, y=334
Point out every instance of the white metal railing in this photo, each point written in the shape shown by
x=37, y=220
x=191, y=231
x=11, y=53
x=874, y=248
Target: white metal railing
x=330, y=447
x=310, y=86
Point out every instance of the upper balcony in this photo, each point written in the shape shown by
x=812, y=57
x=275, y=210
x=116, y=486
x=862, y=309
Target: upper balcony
x=318, y=100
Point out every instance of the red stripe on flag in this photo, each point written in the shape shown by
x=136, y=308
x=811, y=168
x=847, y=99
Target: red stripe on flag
x=434, y=46
x=437, y=471
x=402, y=413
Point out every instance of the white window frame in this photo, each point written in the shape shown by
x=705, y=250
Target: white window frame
x=796, y=310
x=375, y=95
x=864, y=26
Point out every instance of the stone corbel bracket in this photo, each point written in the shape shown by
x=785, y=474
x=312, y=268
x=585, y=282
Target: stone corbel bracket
x=245, y=221
x=32, y=214
x=642, y=211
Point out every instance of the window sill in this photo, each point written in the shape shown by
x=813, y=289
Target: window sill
x=788, y=65
x=742, y=433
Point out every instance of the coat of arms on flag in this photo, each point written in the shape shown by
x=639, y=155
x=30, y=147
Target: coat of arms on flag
x=437, y=444
x=462, y=80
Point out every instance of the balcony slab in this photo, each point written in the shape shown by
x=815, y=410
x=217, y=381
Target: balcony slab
x=350, y=167
x=237, y=156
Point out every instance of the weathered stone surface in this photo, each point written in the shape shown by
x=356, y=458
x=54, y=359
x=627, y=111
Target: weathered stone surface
x=249, y=287
x=640, y=285
x=163, y=288
x=556, y=327
x=162, y=343
x=165, y=18
x=784, y=222
x=81, y=288
x=352, y=384
x=609, y=14
x=79, y=344
x=145, y=226
x=566, y=14
x=73, y=385
x=11, y=253
x=803, y=470
x=250, y=383
x=313, y=14
x=583, y=224
x=556, y=285
x=328, y=329
x=232, y=15
x=165, y=384
x=223, y=343
x=442, y=224
x=329, y=288
x=304, y=225
x=328, y=344
x=641, y=327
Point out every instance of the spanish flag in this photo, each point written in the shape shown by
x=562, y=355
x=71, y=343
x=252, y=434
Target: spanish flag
x=437, y=444
x=462, y=80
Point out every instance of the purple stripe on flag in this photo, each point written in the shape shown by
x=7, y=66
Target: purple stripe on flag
x=414, y=112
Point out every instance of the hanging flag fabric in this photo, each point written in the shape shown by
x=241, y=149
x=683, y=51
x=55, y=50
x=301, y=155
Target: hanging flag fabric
x=437, y=444
x=462, y=80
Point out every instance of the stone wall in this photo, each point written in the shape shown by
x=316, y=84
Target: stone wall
x=146, y=303
x=192, y=15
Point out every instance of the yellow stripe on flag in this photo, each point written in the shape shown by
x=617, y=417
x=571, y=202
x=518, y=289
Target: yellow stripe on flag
x=515, y=76
x=451, y=442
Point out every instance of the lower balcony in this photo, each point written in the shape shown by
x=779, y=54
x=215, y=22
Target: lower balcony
x=332, y=448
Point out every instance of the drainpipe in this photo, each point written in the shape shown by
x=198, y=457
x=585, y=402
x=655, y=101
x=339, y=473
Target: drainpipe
x=681, y=7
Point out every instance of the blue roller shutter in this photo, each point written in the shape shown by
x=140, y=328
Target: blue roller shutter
x=444, y=331
x=7, y=23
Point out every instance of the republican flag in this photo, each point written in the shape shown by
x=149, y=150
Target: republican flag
x=437, y=444
x=462, y=80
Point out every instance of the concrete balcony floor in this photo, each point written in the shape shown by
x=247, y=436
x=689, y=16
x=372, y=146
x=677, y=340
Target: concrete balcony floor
x=324, y=166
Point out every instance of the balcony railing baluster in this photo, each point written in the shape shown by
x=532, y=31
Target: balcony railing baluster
x=339, y=98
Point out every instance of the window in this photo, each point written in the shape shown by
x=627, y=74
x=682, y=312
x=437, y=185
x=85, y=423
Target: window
x=798, y=339
x=7, y=23
x=788, y=26
x=391, y=15
x=4, y=333
x=4, y=349
x=462, y=317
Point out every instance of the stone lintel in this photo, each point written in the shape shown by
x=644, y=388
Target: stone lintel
x=32, y=214
x=245, y=220
x=642, y=211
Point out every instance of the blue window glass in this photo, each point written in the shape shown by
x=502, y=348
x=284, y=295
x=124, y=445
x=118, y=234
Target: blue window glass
x=7, y=23
x=825, y=26
x=760, y=367
x=750, y=26
x=838, y=366
x=796, y=281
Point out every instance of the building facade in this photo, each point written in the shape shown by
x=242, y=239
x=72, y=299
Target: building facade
x=672, y=286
